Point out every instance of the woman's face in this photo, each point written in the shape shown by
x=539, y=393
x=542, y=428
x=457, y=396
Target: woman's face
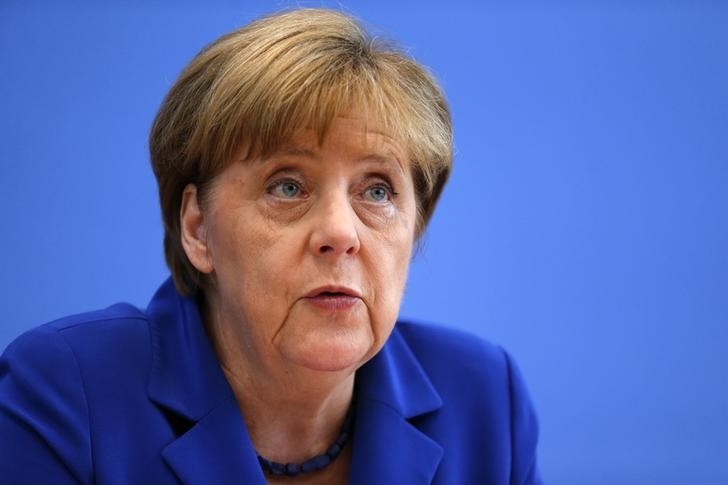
x=309, y=248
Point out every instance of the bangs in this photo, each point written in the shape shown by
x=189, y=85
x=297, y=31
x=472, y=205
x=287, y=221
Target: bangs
x=312, y=100
x=263, y=96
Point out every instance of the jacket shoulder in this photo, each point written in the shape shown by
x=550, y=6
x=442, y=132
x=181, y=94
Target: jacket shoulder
x=44, y=418
x=104, y=330
x=50, y=377
x=114, y=313
x=438, y=347
x=480, y=383
x=112, y=336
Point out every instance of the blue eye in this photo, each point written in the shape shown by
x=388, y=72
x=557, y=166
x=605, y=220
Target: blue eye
x=286, y=189
x=377, y=193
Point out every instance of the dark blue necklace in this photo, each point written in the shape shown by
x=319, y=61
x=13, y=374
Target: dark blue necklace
x=318, y=462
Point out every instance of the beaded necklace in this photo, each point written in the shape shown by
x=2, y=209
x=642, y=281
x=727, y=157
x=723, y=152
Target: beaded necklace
x=318, y=462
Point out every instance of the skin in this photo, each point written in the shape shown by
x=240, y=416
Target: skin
x=270, y=233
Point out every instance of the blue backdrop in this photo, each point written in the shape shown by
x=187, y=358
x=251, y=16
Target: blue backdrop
x=585, y=227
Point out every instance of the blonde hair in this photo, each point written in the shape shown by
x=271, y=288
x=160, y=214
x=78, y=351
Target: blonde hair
x=253, y=88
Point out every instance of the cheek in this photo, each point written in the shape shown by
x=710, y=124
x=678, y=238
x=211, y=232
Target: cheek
x=251, y=260
x=395, y=251
x=389, y=264
x=247, y=237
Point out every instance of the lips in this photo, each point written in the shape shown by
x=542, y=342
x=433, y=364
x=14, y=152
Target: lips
x=333, y=290
x=333, y=298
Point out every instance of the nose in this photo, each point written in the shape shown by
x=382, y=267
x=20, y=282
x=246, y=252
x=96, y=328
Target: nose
x=334, y=230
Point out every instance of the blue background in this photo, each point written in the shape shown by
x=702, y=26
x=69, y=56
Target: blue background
x=585, y=227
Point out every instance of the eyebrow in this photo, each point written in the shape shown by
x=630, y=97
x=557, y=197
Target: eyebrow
x=287, y=151
x=296, y=152
x=380, y=159
x=388, y=160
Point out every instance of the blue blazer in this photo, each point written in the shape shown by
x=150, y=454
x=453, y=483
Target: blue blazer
x=125, y=396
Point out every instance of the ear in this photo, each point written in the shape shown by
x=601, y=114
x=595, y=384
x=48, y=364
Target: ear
x=193, y=231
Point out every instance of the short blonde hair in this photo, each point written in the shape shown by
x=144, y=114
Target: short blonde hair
x=253, y=88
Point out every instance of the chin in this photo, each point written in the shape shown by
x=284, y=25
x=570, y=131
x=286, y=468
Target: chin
x=329, y=356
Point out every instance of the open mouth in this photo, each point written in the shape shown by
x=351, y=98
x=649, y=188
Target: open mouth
x=333, y=299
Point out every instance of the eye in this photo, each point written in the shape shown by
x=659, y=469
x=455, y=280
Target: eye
x=378, y=193
x=286, y=189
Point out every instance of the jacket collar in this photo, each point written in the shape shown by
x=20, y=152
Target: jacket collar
x=186, y=380
x=185, y=376
x=392, y=389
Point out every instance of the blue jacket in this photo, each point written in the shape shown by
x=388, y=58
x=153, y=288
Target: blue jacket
x=132, y=397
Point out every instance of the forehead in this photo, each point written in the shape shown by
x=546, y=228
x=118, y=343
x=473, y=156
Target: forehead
x=355, y=136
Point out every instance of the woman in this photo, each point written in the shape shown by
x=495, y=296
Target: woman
x=298, y=161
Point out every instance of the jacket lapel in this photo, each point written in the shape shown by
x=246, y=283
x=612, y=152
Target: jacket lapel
x=392, y=389
x=186, y=382
x=215, y=450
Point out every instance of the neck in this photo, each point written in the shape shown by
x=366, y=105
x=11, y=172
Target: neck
x=291, y=424
x=291, y=413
